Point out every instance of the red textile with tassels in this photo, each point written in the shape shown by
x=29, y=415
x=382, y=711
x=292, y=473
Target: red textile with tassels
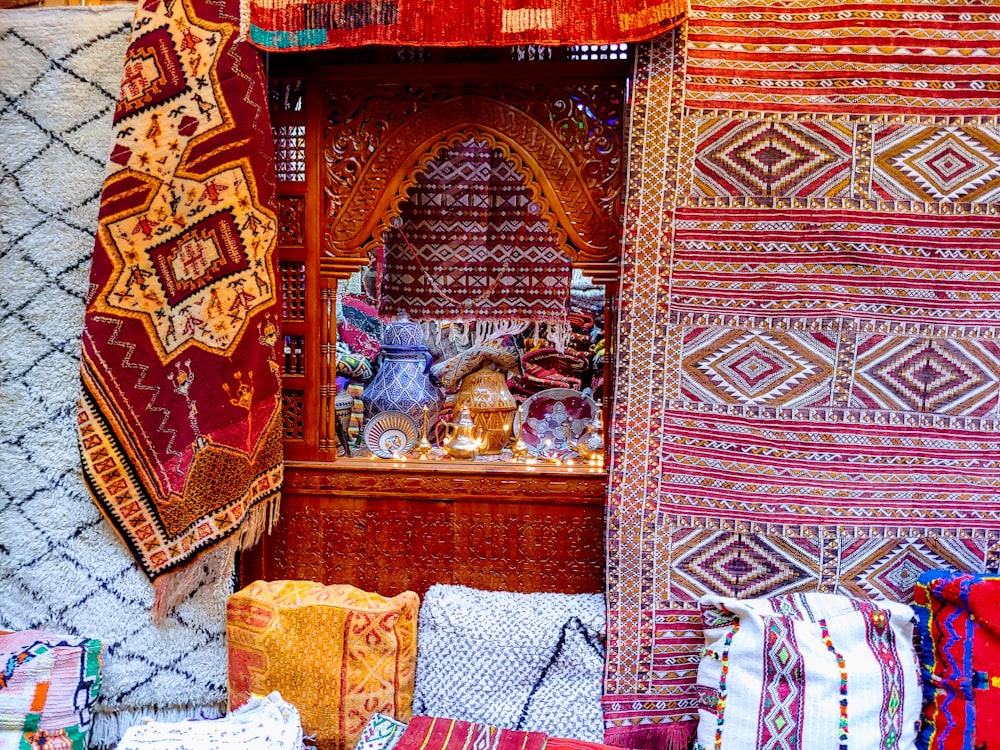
x=180, y=413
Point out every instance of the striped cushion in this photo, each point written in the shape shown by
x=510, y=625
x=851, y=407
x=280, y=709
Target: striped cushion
x=814, y=671
x=48, y=685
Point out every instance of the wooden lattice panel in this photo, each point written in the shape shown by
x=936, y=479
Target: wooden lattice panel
x=293, y=290
x=290, y=152
x=292, y=402
x=295, y=354
x=291, y=221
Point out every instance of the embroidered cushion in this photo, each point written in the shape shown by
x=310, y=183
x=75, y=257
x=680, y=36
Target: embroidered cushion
x=957, y=618
x=352, y=365
x=337, y=653
x=262, y=723
x=380, y=733
x=815, y=671
x=48, y=685
x=516, y=661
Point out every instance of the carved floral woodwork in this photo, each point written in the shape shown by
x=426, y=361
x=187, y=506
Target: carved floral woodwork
x=567, y=137
x=452, y=479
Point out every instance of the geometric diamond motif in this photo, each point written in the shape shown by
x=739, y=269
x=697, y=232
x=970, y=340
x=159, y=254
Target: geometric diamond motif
x=757, y=367
x=740, y=565
x=936, y=376
x=754, y=367
x=774, y=159
x=932, y=163
x=782, y=704
x=897, y=575
x=888, y=568
x=947, y=164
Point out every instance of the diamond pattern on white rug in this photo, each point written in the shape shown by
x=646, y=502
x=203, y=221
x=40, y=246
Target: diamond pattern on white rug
x=61, y=565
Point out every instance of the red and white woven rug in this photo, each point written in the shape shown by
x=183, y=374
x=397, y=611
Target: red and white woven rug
x=180, y=413
x=808, y=383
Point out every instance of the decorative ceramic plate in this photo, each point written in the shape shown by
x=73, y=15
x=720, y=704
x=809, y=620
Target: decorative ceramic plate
x=552, y=420
x=390, y=433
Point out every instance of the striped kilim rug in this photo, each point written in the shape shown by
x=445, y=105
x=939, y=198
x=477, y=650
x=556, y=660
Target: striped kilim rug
x=809, y=379
x=288, y=25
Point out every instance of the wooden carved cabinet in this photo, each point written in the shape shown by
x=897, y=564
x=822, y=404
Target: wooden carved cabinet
x=352, y=132
x=398, y=527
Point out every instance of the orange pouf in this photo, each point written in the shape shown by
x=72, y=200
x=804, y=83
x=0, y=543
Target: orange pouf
x=337, y=653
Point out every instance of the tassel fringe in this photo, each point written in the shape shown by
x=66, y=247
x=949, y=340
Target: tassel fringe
x=491, y=330
x=211, y=565
x=558, y=332
x=668, y=735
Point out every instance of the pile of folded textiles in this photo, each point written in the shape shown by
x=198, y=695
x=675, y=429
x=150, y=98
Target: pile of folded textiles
x=800, y=670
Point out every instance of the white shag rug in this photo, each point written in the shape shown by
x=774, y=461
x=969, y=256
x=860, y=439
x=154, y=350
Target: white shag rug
x=62, y=568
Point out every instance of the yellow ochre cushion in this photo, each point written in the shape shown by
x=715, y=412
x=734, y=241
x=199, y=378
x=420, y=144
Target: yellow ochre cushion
x=337, y=653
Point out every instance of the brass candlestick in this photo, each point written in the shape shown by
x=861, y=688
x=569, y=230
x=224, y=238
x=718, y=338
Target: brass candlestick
x=423, y=446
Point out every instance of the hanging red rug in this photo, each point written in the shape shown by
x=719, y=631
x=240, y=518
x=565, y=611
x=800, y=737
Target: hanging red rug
x=472, y=244
x=180, y=419
x=283, y=25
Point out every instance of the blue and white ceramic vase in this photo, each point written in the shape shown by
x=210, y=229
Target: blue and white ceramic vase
x=402, y=382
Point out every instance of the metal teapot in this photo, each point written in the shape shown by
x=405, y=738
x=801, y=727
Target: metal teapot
x=590, y=444
x=460, y=439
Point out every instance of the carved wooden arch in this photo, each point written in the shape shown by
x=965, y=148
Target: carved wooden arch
x=584, y=230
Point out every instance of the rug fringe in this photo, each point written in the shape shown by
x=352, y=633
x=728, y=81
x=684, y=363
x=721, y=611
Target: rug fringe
x=261, y=518
x=668, y=735
x=207, y=568
x=491, y=330
x=109, y=727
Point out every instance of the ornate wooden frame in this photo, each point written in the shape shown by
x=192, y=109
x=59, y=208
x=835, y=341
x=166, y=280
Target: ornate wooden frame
x=353, y=144
x=370, y=166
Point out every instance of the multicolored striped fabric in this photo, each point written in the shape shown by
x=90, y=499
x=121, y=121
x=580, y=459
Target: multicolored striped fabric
x=433, y=733
x=282, y=25
x=809, y=355
x=957, y=618
x=48, y=688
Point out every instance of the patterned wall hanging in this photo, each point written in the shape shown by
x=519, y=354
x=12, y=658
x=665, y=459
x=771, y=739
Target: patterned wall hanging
x=808, y=384
x=472, y=243
x=180, y=421
x=282, y=25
